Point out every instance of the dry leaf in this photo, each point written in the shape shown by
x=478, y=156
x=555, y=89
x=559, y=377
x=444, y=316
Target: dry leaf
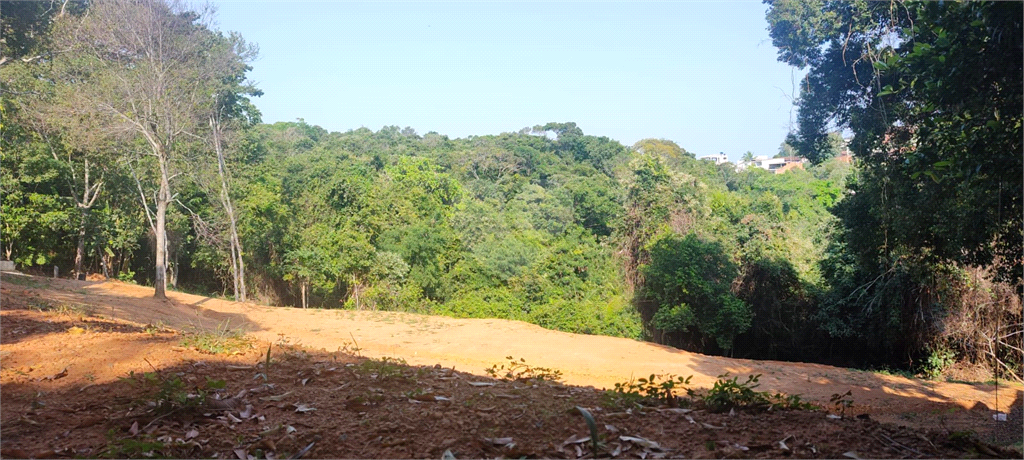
x=59, y=375
x=712, y=427
x=76, y=330
x=482, y=384
x=442, y=398
x=647, y=443
x=134, y=430
x=303, y=408
x=304, y=381
x=676, y=410
x=276, y=398
x=499, y=441
x=191, y=434
x=851, y=454
x=690, y=419
x=611, y=428
x=447, y=455
x=574, y=439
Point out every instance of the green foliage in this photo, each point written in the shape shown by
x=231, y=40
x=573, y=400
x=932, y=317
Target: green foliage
x=520, y=371
x=648, y=391
x=384, y=369
x=689, y=280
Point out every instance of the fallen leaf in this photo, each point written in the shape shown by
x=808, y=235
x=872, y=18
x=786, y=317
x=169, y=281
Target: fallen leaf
x=676, y=410
x=851, y=454
x=134, y=430
x=499, y=441
x=647, y=443
x=276, y=398
x=712, y=427
x=59, y=375
x=304, y=381
x=233, y=418
x=833, y=417
x=447, y=455
x=617, y=450
x=76, y=330
x=574, y=439
x=611, y=428
x=247, y=413
x=303, y=408
x=191, y=434
x=442, y=398
x=482, y=384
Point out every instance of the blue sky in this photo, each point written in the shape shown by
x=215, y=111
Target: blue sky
x=703, y=74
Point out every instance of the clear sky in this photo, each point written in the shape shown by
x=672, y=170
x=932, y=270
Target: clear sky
x=703, y=74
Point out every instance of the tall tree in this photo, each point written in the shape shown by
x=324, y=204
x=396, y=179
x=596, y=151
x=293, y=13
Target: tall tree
x=152, y=71
x=933, y=93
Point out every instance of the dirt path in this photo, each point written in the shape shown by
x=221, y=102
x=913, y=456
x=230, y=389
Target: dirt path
x=472, y=345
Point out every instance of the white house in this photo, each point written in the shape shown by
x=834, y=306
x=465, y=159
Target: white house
x=718, y=159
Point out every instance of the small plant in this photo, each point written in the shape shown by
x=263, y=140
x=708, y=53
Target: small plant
x=520, y=371
x=266, y=366
x=130, y=448
x=383, y=369
x=649, y=391
x=729, y=393
x=842, y=402
x=221, y=340
x=172, y=395
x=937, y=362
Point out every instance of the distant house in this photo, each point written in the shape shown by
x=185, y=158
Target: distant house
x=775, y=165
x=718, y=159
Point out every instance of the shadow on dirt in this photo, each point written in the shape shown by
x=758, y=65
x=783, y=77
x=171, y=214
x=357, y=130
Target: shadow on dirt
x=336, y=405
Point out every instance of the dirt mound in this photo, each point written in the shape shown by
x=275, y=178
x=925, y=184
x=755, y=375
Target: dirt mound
x=83, y=348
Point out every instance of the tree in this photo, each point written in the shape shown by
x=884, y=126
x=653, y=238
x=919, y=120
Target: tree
x=152, y=74
x=689, y=280
x=932, y=92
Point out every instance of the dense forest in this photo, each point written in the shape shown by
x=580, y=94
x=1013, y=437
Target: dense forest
x=131, y=147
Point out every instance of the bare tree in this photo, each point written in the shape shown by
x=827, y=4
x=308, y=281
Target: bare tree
x=149, y=69
x=237, y=264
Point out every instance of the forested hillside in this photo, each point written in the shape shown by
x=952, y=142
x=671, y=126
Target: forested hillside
x=146, y=160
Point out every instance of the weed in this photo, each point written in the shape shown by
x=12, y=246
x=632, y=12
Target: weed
x=648, y=392
x=937, y=362
x=221, y=340
x=171, y=395
x=383, y=369
x=266, y=366
x=592, y=425
x=62, y=309
x=520, y=371
x=131, y=448
x=731, y=394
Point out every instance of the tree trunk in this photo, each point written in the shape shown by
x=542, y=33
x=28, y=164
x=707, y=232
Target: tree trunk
x=237, y=265
x=162, y=201
x=303, y=286
x=80, y=251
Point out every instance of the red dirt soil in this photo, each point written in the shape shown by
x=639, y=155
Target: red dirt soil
x=109, y=329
